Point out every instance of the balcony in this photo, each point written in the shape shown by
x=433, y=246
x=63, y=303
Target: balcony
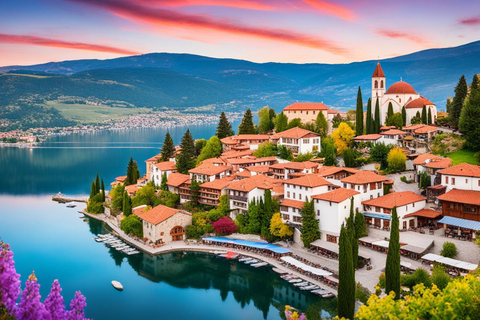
x=238, y=198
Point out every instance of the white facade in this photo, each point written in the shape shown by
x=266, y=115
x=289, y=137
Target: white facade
x=239, y=200
x=460, y=182
x=156, y=174
x=402, y=211
x=367, y=190
x=301, y=146
x=303, y=193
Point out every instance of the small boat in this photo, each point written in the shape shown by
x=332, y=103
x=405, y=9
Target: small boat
x=295, y=280
x=251, y=261
x=260, y=264
x=220, y=252
x=71, y=205
x=328, y=295
x=117, y=285
x=245, y=259
x=99, y=239
x=279, y=271
x=302, y=284
x=311, y=287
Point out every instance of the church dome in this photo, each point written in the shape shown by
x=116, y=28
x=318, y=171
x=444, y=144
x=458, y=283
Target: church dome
x=419, y=103
x=401, y=87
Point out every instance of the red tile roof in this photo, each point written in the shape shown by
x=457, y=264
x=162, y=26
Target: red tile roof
x=426, y=129
x=425, y=213
x=236, y=154
x=296, y=133
x=419, y=103
x=233, y=140
x=306, y=106
x=337, y=195
x=121, y=178
x=261, y=169
x=363, y=177
x=257, y=181
x=463, y=169
x=157, y=214
x=372, y=136
x=394, y=199
x=295, y=165
x=217, y=184
x=165, y=166
x=326, y=171
x=393, y=132
x=176, y=179
x=292, y=203
x=439, y=163
x=309, y=180
x=210, y=170
x=378, y=71
x=423, y=157
x=461, y=196
x=400, y=87
x=154, y=158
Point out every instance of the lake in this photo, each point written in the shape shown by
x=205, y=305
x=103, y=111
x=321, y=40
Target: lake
x=56, y=241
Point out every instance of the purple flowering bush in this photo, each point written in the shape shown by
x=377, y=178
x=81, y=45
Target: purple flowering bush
x=30, y=306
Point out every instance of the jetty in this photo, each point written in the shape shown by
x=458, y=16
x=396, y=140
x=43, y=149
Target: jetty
x=61, y=198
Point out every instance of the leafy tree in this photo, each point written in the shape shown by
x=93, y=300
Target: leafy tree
x=164, y=186
x=95, y=204
x=224, y=128
x=377, y=117
x=342, y=137
x=303, y=157
x=246, y=126
x=168, y=148
x=117, y=198
x=349, y=158
x=359, y=114
x=417, y=277
x=266, y=149
x=97, y=185
x=352, y=233
x=404, y=116
x=186, y=159
x=294, y=123
x=132, y=173
x=416, y=120
x=254, y=225
x=132, y=225
x=396, y=160
x=424, y=181
x=337, y=119
x=439, y=277
x=392, y=268
x=127, y=204
x=461, y=91
x=144, y=196
x=360, y=226
x=168, y=199
x=395, y=120
x=329, y=152
x=278, y=228
x=379, y=153
x=281, y=122
x=346, y=275
x=369, y=124
x=470, y=119
x=199, y=145
x=321, y=125
x=268, y=211
x=285, y=153
x=310, y=228
x=449, y=250
x=195, y=190
x=224, y=226
x=429, y=118
x=389, y=112
x=265, y=120
x=212, y=149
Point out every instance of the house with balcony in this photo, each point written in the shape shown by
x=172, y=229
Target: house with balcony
x=211, y=191
x=244, y=140
x=175, y=180
x=308, y=112
x=463, y=176
x=288, y=170
x=368, y=183
x=149, y=163
x=209, y=173
x=335, y=174
x=298, y=140
x=159, y=168
x=393, y=137
x=430, y=164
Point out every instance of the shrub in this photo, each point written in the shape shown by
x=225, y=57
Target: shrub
x=417, y=277
x=169, y=199
x=361, y=293
x=449, y=250
x=224, y=226
x=396, y=160
x=439, y=277
x=214, y=215
x=132, y=225
x=95, y=204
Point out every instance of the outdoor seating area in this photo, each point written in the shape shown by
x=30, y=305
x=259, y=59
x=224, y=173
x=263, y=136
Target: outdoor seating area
x=325, y=248
x=460, y=229
x=262, y=248
x=307, y=268
x=454, y=267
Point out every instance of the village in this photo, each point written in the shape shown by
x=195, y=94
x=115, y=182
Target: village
x=437, y=203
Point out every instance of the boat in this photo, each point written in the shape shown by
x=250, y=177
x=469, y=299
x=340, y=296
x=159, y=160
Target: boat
x=279, y=271
x=71, y=205
x=117, y=285
x=260, y=264
x=220, y=252
x=328, y=295
x=295, y=280
x=245, y=259
x=311, y=287
x=99, y=239
x=302, y=284
x=251, y=261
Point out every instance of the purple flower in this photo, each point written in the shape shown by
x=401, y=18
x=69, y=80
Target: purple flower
x=9, y=279
x=54, y=302
x=30, y=307
x=77, y=306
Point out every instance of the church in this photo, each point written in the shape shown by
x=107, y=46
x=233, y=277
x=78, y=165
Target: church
x=400, y=94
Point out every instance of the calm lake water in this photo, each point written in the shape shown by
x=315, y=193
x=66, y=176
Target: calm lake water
x=56, y=242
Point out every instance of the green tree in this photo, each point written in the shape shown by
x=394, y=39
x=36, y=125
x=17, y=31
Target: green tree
x=379, y=153
x=392, y=268
x=127, y=204
x=132, y=225
x=310, y=228
x=321, y=125
x=352, y=233
x=265, y=121
x=395, y=120
x=449, y=250
x=266, y=149
x=360, y=226
x=475, y=85
x=144, y=196
x=404, y=116
x=439, y=277
x=470, y=119
x=281, y=122
x=103, y=191
x=164, y=186
x=199, y=145
x=132, y=173
x=369, y=122
x=168, y=148
x=359, y=114
x=424, y=115
x=429, y=118
x=212, y=149
x=461, y=91
x=224, y=128
x=349, y=158
x=329, y=152
x=254, y=224
x=377, y=117
x=93, y=189
x=296, y=122
x=346, y=275
x=117, y=198
x=268, y=211
x=186, y=159
x=389, y=112
x=247, y=126
x=97, y=185
x=285, y=153
x=195, y=190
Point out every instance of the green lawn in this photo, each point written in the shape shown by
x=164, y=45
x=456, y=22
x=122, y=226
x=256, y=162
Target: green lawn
x=462, y=156
x=93, y=114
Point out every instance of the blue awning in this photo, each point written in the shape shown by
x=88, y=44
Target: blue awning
x=377, y=215
x=252, y=244
x=462, y=223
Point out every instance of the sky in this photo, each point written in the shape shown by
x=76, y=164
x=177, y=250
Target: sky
x=298, y=31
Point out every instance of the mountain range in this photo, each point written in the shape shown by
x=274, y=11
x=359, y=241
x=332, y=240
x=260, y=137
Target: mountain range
x=180, y=81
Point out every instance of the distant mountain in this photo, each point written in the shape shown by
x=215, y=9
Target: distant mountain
x=166, y=80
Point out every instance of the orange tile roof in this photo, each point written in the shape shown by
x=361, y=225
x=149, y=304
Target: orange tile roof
x=426, y=129
x=309, y=180
x=244, y=173
x=363, y=177
x=244, y=137
x=217, y=184
x=325, y=171
x=296, y=133
x=394, y=199
x=413, y=126
x=132, y=189
x=235, y=154
x=373, y=136
x=425, y=156
x=393, y=132
x=378, y=73
x=461, y=196
x=157, y=214
x=306, y=106
x=257, y=181
x=258, y=168
x=292, y=203
x=337, y=195
x=419, y=103
x=463, y=169
x=165, y=166
x=210, y=170
x=384, y=128
x=400, y=87
x=154, y=158
x=424, y=213
x=121, y=178
x=295, y=165
x=439, y=163
x=175, y=179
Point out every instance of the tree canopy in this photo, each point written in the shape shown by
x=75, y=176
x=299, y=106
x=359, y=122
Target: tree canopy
x=342, y=137
x=247, y=126
x=359, y=114
x=212, y=149
x=186, y=159
x=396, y=160
x=281, y=122
x=168, y=148
x=310, y=228
x=224, y=128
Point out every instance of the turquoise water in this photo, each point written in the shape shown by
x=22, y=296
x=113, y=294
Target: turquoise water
x=56, y=242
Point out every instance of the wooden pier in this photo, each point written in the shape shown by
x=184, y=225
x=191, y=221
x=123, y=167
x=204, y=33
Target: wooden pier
x=61, y=198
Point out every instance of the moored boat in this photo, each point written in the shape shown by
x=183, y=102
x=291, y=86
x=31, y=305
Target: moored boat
x=117, y=285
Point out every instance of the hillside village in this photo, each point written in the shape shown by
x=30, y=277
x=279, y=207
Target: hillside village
x=299, y=181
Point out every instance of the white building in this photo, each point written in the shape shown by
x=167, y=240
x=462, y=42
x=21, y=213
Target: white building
x=308, y=112
x=463, y=176
x=159, y=168
x=368, y=183
x=209, y=173
x=287, y=170
x=399, y=94
x=299, y=140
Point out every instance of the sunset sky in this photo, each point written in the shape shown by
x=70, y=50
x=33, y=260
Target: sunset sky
x=37, y=31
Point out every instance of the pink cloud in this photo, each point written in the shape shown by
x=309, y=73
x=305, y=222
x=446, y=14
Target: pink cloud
x=163, y=17
x=473, y=21
x=332, y=9
x=241, y=4
x=403, y=35
x=46, y=42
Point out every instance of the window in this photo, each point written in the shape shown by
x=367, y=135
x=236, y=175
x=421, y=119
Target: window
x=331, y=238
x=307, y=112
x=377, y=209
x=286, y=217
x=446, y=181
x=306, y=141
x=376, y=84
x=466, y=180
x=453, y=181
x=297, y=219
x=288, y=194
x=293, y=195
x=381, y=84
x=318, y=212
x=413, y=205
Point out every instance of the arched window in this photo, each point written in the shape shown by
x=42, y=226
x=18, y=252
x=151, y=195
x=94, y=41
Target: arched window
x=376, y=84
x=381, y=84
x=177, y=233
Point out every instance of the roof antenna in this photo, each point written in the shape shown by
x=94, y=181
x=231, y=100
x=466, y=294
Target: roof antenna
x=401, y=79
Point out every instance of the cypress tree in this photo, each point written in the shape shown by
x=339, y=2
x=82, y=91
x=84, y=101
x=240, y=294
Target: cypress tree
x=281, y=122
x=132, y=172
x=359, y=114
x=474, y=85
x=168, y=148
x=194, y=190
x=470, y=119
x=224, y=128
x=127, y=204
x=389, y=111
x=429, y=119
x=247, y=126
x=351, y=232
x=97, y=185
x=92, y=190
x=254, y=224
x=321, y=125
x=346, y=275
x=424, y=115
x=404, y=116
x=186, y=159
x=310, y=228
x=103, y=191
x=360, y=226
x=461, y=91
x=392, y=268
x=377, y=117
x=369, y=122
x=164, y=186
x=272, y=118
x=268, y=212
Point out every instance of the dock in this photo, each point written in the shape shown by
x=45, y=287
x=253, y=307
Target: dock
x=61, y=198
